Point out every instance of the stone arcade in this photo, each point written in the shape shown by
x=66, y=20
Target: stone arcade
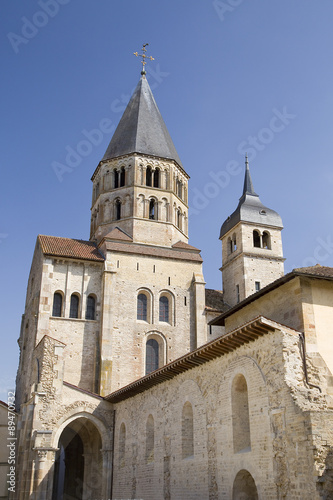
x=135, y=381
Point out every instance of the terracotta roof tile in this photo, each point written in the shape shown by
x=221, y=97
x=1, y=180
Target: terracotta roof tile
x=317, y=270
x=185, y=246
x=118, y=234
x=167, y=253
x=214, y=300
x=71, y=248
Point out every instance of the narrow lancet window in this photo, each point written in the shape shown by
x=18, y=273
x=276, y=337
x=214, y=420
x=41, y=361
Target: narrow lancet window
x=152, y=356
x=266, y=240
x=74, y=306
x=90, y=311
x=256, y=239
x=148, y=176
x=152, y=214
x=115, y=179
x=142, y=307
x=164, y=309
x=122, y=177
x=118, y=209
x=57, y=305
x=157, y=178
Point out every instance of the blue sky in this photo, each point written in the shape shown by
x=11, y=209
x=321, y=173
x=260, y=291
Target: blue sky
x=228, y=76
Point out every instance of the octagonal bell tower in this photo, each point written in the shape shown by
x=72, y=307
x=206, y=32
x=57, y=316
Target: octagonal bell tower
x=140, y=185
x=252, y=255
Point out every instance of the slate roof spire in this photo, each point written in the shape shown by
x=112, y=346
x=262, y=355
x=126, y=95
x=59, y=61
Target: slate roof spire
x=250, y=208
x=142, y=129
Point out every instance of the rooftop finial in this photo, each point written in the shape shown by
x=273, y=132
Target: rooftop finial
x=248, y=186
x=144, y=57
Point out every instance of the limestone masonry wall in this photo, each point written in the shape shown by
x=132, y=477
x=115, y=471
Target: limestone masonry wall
x=281, y=446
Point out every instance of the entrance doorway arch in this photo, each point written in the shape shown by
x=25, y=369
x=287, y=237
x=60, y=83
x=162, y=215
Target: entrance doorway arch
x=78, y=470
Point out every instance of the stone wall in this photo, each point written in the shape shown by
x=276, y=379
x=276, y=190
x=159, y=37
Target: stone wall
x=281, y=412
x=124, y=337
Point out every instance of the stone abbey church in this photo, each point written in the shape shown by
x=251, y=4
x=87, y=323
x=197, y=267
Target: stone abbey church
x=135, y=381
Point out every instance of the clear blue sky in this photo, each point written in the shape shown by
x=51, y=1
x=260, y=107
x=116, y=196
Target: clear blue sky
x=228, y=76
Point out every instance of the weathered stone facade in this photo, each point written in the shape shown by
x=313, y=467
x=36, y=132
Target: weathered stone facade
x=137, y=382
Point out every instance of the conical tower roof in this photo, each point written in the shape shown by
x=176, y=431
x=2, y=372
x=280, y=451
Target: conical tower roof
x=142, y=129
x=250, y=208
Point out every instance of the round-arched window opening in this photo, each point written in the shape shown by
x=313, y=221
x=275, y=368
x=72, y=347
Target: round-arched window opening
x=152, y=356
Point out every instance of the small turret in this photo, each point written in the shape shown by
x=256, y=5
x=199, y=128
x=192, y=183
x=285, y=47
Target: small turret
x=252, y=255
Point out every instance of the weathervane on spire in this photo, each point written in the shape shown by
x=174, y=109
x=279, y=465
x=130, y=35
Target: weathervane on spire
x=144, y=57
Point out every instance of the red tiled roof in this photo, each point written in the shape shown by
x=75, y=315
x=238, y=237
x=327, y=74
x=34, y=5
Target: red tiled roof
x=71, y=248
x=153, y=251
x=317, y=270
x=214, y=301
x=185, y=246
x=117, y=234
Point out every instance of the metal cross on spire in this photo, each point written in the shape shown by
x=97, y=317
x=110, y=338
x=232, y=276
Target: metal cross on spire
x=144, y=57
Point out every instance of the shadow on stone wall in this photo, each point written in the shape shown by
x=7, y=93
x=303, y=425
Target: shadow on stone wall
x=325, y=483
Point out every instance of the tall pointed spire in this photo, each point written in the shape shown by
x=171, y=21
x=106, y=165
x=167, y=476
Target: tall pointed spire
x=248, y=185
x=142, y=129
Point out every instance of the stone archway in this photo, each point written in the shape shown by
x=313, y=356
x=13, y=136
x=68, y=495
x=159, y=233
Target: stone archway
x=78, y=471
x=244, y=487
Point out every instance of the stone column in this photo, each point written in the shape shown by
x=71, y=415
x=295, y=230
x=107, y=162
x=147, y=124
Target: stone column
x=44, y=471
x=107, y=473
x=168, y=212
x=143, y=179
x=198, y=284
x=146, y=209
x=159, y=210
x=106, y=330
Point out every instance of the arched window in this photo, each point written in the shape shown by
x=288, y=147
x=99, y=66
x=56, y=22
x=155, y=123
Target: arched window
x=187, y=431
x=74, y=306
x=157, y=178
x=256, y=239
x=179, y=188
x=142, y=307
x=150, y=438
x=240, y=414
x=266, y=240
x=244, y=486
x=164, y=309
x=179, y=219
x=233, y=243
x=122, y=444
x=118, y=209
x=148, y=176
x=91, y=305
x=230, y=246
x=122, y=177
x=152, y=214
x=57, y=305
x=152, y=356
x=115, y=178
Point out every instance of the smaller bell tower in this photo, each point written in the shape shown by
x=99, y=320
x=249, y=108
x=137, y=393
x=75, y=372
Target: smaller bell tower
x=252, y=255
